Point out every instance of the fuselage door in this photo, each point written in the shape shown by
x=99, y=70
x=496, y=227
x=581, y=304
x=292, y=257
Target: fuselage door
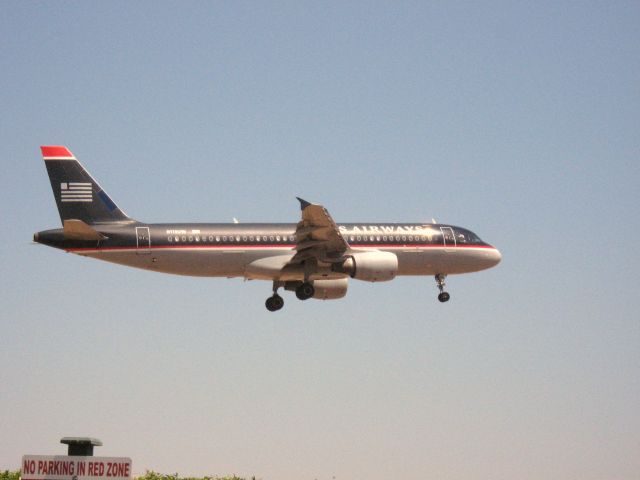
x=449, y=239
x=143, y=240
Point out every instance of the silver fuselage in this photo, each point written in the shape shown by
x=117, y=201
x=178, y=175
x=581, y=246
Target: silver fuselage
x=234, y=250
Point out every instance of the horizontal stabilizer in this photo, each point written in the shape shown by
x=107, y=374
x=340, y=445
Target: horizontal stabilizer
x=78, y=230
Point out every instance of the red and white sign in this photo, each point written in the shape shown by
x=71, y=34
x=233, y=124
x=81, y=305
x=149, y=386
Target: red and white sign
x=62, y=467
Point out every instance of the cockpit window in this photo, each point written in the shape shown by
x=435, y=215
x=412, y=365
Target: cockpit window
x=467, y=237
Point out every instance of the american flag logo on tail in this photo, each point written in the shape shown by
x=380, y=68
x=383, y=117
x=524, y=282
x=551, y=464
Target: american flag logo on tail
x=76, y=192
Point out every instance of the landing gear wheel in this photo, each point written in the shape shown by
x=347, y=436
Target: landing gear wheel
x=305, y=291
x=274, y=303
x=444, y=296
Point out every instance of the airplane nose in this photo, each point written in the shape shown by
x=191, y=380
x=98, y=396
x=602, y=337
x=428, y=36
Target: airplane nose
x=495, y=256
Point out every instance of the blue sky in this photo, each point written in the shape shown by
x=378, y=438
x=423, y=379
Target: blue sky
x=517, y=120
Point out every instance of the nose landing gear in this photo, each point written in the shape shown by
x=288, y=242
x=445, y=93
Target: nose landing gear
x=443, y=296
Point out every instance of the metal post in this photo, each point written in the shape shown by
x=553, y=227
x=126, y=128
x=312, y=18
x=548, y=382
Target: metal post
x=81, y=446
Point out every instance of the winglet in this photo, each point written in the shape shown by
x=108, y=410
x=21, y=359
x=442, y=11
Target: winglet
x=303, y=203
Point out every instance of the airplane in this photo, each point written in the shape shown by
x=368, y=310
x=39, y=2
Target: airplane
x=315, y=257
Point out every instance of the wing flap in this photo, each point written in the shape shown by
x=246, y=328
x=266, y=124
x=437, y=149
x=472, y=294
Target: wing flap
x=317, y=235
x=305, y=244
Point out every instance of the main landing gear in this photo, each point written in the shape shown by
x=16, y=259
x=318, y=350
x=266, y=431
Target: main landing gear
x=304, y=291
x=274, y=302
x=443, y=296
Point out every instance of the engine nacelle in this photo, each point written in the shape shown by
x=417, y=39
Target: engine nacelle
x=330, y=289
x=370, y=266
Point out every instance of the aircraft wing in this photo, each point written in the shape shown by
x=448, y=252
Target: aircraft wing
x=317, y=236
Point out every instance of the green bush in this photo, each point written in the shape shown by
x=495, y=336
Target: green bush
x=150, y=475
x=7, y=475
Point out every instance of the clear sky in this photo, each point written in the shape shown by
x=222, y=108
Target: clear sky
x=518, y=120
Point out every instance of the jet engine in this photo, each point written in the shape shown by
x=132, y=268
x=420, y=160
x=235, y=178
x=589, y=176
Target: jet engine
x=330, y=289
x=370, y=266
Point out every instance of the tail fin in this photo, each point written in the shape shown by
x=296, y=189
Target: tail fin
x=77, y=194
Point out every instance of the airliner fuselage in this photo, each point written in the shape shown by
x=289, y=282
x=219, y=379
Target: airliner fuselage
x=229, y=250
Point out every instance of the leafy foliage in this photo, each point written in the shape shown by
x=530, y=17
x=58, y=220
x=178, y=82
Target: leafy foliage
x=7, y=475
x=149, y=475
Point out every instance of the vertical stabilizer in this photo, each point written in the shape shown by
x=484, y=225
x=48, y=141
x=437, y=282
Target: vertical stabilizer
x=77, y=194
